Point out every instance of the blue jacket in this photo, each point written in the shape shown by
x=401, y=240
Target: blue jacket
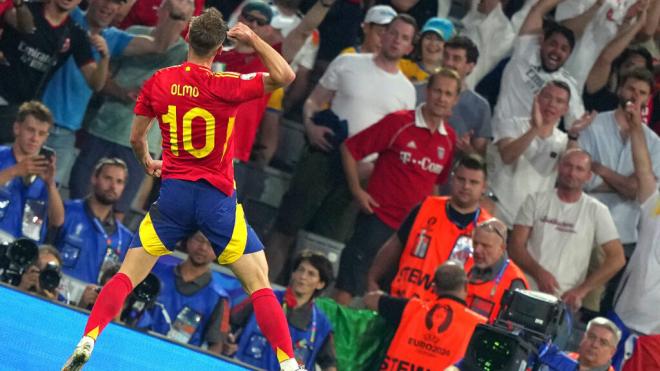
x=15, y=195
x=253, y=348
x=203, y=303
x=84, y=244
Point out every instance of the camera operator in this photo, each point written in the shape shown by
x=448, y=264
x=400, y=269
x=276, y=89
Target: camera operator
x=431, y=334
x=597, y=346
x=28, y=193
x=91, y=292
x=493, y=272
x=43, y=276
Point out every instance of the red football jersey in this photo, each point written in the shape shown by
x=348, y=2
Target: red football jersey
x=249, y=113
x=196, y=110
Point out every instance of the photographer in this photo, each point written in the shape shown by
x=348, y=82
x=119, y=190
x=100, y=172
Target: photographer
x=43, y=276
x=197, y=307
x=28, y=193
x=91, y=236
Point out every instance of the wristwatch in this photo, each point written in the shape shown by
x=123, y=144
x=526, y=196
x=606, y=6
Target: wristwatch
x=326, y=5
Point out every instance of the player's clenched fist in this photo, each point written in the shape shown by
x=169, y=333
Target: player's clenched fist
x=242, y=33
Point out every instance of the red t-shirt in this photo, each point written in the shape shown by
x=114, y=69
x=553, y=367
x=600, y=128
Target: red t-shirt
x=411, y=159
x=196, y=110
x=249, y=113
x=3, y=8
x=145, y=13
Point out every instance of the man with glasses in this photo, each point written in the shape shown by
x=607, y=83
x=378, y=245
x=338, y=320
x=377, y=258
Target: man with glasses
x=597, y=346
x=493, y=273
x=556, y=232
x=91, y=236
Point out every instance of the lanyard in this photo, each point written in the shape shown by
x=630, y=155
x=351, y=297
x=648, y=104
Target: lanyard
x=108, y=240
x=474, y=221
x=312, y=335
x=499, y=277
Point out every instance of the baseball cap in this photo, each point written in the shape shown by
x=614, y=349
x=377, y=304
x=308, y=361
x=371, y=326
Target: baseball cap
x=441, y=26
x=260, y=7
x=380, y=14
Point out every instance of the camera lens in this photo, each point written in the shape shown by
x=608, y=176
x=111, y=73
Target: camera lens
x=148, y=290
x=23, y=252
x=49, y=278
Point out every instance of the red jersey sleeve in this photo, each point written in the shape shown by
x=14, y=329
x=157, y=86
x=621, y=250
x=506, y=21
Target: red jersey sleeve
x=143, y=105
x=379, y=136
x=237, y=88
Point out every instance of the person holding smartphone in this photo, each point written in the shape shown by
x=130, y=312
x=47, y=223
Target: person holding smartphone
x=29, y=199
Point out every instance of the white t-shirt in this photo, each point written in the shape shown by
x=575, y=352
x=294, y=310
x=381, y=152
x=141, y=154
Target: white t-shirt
x=564, y=234
x=306, y=56
x=638, y=297
x=364, y=92
x=524, y=77
x=534, y=171
x=602, y=28
x=603, y=140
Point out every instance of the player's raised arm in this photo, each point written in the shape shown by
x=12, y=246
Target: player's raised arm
x=280, y=73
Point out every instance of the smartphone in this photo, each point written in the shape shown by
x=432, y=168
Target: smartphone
x=47, y=152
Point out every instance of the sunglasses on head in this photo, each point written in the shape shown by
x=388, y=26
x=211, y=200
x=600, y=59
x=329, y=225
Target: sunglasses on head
x=250, y=18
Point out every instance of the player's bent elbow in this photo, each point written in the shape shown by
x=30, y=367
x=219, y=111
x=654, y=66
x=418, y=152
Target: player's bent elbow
x=288, y=77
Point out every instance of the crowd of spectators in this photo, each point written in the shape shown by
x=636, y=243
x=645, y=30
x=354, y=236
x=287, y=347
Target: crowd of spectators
x=458, y=149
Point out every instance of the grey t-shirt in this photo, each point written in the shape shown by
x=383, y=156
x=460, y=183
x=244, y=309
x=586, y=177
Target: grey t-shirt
x=472, y=112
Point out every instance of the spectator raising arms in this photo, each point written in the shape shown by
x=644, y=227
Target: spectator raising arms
x=537, y=58
x=38, y=38
x=67, y=94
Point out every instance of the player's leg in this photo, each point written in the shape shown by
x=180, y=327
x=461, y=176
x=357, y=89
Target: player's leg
x=166, y=223
x=137, y=264
x=222, y=221
x=252, y=270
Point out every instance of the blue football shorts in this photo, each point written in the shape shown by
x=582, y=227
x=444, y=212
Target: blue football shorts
x=184, y=207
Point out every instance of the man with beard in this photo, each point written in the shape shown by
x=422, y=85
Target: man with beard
x=615, y=184
x=197, y=305
x=91, y=236
x=536, y=60
x=556, y=232
x=359, y=89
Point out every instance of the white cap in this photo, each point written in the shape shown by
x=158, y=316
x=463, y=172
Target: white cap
x=380, y=14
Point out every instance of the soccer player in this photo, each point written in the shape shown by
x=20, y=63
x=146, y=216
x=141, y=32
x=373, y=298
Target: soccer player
x=196, y=112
